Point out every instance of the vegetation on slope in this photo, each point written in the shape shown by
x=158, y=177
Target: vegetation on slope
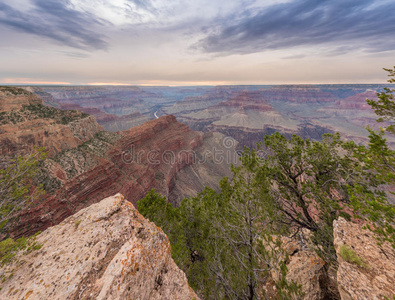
x=349, y=255
x=17, y=188
x=227, y=241
x=9, y=247
x=39, y=111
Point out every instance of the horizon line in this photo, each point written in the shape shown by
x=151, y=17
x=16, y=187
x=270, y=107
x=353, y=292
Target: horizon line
x=171, y=85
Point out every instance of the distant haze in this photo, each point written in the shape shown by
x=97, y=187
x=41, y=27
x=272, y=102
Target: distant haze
x=196, y=42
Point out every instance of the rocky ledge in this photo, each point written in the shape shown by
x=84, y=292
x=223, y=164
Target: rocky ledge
x=105, y=251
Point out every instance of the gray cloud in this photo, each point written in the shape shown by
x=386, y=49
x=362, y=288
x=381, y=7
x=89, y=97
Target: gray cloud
x=53, y=19
x=351, y=24
x=296, y=56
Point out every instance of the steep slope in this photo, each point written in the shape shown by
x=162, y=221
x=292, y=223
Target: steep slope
x=105, y=251
x=47, y=98
x=119, y=100
x=211, y=162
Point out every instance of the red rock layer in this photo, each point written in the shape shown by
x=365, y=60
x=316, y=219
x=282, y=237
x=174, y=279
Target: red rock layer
x=145, y=157
x=20, y=138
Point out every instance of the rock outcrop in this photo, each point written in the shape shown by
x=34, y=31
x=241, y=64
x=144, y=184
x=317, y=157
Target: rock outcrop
x=13, y=98
x=376, y=280
x=105, y=251
x=47, y=98
x=308, y=270
x=26, y=123
x=119, y=100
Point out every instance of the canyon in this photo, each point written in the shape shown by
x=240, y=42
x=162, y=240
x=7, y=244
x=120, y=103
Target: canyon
x=118, y=143
x=245, y=113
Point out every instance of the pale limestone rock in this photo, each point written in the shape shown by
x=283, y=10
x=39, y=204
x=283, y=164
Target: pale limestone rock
x=373, y=282
x=105, y=251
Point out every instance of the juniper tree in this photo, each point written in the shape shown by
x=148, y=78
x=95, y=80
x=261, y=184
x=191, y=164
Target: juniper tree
x=309, y=184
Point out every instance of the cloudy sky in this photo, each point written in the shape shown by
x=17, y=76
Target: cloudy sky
x=190, y=42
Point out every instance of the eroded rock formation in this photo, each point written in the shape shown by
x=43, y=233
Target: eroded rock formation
x=26, y=123
x=131, y=162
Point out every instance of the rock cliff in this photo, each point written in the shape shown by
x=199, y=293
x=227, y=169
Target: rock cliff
x=111, y=122
x=307, y=269
x=366, y=270
x=47, y=98
x=375, y=279
x=105, y=251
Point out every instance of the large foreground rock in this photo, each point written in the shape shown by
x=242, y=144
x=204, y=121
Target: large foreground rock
x=105, y=251
x=377, y=280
